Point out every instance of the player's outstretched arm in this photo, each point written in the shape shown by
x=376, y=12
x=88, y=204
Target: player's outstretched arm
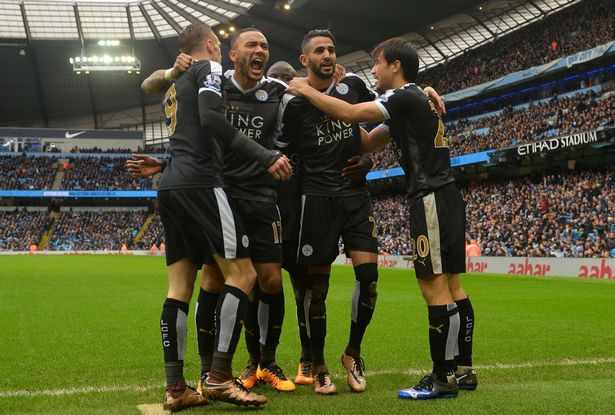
x=375, y=139
x=336, y=108
x=159, y=81
x=144, y=166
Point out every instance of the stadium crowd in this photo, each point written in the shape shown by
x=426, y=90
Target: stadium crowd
x=561, y=215
x=153, y=235
x=25, y=172
x=20, y=229
x=95, y=230
x=119, y=150
x=566, y=115
x=562, y=115
x=579, y=27
x=101, y=173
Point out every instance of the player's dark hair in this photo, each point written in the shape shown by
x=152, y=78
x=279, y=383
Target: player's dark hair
x=282, y=70
x=399, y=49
x=193, y=35
x=238, y=33
x=316, y=33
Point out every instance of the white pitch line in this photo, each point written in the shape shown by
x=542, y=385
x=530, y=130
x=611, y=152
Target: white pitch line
x=152, y=409
x=75, y=391
x=412, y=371
x=519, y=365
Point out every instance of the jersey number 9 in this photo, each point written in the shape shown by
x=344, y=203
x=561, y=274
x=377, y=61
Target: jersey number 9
x=170, y=109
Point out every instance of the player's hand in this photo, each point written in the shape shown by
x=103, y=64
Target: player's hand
x=281, y=169
x=297, y=85
x=339, y=74
x=356, y=168
x=143, y=166
x=182, y=63
x=433, y=95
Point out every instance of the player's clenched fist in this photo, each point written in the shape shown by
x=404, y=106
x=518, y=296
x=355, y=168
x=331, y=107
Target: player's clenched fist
x=182, y=63
x=281, y=169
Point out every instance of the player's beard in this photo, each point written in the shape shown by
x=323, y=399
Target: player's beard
x=322, y=75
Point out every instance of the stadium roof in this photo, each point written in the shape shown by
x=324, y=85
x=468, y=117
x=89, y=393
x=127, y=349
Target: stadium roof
x=38, y=37
x=111, y=19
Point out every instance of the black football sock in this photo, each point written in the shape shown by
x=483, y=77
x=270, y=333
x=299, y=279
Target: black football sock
x=466, y=332
x=230, y=317
x=316, y=294
x=298, y=279
x=251, y=329
x=205, y=318
x=270, y=319
x=443, y=331
x=174, y=331
x=363, y=304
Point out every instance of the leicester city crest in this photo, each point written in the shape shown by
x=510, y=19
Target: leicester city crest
x=342, y=88
x=261, y=95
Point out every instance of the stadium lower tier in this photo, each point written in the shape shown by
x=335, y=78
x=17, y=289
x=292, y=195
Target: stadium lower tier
x=562, y=215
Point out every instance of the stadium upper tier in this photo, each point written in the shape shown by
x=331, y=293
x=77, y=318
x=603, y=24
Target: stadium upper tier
x=565, y=215
x=576, y=28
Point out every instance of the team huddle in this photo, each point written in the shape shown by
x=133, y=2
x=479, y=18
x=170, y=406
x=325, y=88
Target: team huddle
x=268, y=172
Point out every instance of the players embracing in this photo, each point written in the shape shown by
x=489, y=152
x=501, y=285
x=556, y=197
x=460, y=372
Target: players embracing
x=437, y=212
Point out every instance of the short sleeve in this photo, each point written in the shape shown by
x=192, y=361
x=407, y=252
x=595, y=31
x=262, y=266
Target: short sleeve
x=364, y=93
x=209, y=77
x=397, y=103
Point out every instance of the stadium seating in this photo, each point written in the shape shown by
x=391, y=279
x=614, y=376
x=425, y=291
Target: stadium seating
x=101, y=173
x=577, y=28
x=563, y=215
x=95, y=230
x=20, y=229
x=527, y=123
x=26, y=172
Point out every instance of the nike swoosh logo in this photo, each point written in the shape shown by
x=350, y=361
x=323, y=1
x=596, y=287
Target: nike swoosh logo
x=72, y=135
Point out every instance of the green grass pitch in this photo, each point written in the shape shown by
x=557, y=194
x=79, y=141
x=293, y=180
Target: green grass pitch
x=80, y=335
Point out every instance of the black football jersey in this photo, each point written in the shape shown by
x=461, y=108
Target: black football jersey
x=324, y=144
x=255, y=113
x=289, y=197
x=196, y=156
x=418, y=140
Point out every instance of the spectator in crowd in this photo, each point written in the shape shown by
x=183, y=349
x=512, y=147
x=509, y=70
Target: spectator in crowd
x=472, y=249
